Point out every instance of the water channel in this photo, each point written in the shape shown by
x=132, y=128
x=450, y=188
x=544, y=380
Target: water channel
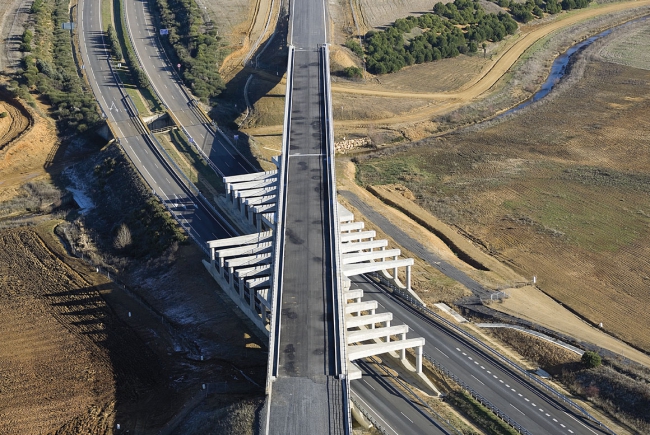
x=559, y=67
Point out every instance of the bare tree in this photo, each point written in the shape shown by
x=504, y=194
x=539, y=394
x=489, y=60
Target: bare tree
x=123, y=237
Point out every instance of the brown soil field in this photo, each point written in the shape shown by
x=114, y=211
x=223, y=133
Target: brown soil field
x=559, y=191
x=244, y=21
x=54, y=373
x=73, y=361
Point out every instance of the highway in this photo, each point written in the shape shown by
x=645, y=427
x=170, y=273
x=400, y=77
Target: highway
x=191, y=213
x=166, y=84
x=529, y=407
x=307, y=326
x=396, y=414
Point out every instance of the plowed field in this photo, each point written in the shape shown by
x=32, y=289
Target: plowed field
x=52, y=372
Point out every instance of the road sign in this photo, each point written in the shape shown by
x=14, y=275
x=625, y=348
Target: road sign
x=236, y=137
x=164, y=32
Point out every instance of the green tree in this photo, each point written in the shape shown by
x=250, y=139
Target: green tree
x=591, y=360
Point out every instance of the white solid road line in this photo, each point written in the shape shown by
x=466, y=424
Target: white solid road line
x=406, y=417
x=477, y=379
x=517, y=409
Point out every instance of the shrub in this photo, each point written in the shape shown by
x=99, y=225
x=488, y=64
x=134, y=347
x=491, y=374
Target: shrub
x=53, y=71
x=3, y=114
x=355, y=47
x=591, y=359
x=114, y=42
x=353, y=72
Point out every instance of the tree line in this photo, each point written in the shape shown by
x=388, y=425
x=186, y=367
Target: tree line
x=451, y=29
x=193, y=44
x=49, y=67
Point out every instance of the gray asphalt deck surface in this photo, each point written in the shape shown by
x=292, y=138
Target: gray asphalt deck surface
x=306, y=398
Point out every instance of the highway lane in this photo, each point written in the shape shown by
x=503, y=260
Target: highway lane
x=186, y=207
x=303, y=26
x=166, y=84
x=529, y=407
x=394, y=412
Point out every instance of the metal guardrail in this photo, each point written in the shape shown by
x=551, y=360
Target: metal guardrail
x=278, y=236
x=415, y=396
x=340, y=347
x=370, y=418
x=417, y=305
x=334, y=227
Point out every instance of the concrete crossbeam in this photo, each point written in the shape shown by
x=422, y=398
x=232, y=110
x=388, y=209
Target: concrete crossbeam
x=360, y=235
x=353, y=294
x=248, y=239
x=256, y=283
x=358, y=269
x=371, y=319
x=244, y=250
x=255, y=192
x=345, y=215
x=371, y=334
x=248, y=261
x=358, y=257
x=366, y=350
x=261, y=270
x=357, y=307
x=263, y=296
x=249, y=177
x=352, y=226
x=264, y=208
x=258, y=200
x=362, y=246
x=354, y=372
x=257, y=184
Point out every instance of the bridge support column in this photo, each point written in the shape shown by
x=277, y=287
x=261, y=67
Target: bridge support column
x=418, y=359
x=395, y=269
x=408, y=278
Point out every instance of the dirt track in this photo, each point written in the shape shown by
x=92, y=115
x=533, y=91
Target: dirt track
x=490, y=75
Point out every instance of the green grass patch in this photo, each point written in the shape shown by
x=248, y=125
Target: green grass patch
x=479, y=414
x=107, y=16
x=191, y=163
x=561, y=206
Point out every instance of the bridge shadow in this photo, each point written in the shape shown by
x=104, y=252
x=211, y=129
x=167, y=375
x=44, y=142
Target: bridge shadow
x=135, y=370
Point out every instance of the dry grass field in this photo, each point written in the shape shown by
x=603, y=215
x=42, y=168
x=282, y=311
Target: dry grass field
x=630, y=47
x=559, y=191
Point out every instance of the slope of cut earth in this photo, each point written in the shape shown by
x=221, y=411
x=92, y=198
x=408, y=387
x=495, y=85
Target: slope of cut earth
x=24, y=156
x=13, y=124
x=559, y=191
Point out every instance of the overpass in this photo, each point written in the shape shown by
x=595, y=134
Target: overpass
x=290, y=275
x=256, y=280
